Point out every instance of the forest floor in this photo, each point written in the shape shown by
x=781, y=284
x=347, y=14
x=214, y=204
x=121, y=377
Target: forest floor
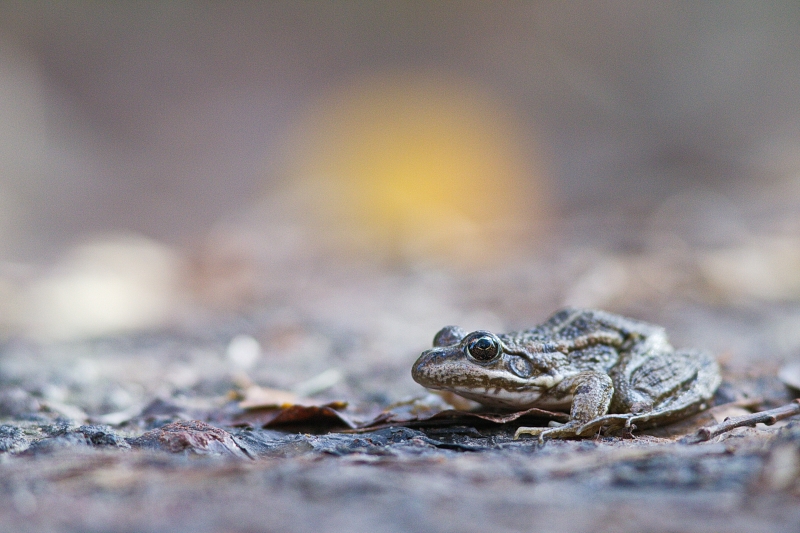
x=269, y=417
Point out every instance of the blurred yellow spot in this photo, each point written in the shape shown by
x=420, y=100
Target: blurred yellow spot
x=421, y=167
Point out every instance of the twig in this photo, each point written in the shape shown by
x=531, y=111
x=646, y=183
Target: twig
x=763, y=417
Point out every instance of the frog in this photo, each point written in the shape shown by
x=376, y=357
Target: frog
x=609, y=372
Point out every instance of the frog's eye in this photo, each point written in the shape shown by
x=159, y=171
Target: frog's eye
x=483, y=347
x=448, y=336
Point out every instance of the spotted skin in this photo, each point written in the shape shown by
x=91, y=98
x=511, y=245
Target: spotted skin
x=607, y=370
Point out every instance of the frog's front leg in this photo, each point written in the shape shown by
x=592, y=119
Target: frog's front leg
x=591, y=395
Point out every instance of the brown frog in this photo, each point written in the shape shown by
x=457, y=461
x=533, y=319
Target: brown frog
x=607, y=370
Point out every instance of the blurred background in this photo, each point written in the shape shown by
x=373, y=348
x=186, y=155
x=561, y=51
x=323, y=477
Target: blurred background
x=351, y=176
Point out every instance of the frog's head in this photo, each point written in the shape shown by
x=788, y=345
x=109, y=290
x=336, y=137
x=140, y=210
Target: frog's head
x=482, y=367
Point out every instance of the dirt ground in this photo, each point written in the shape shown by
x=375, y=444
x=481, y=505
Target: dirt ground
x=170, y=430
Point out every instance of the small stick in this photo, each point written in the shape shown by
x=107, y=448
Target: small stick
x=764, y=417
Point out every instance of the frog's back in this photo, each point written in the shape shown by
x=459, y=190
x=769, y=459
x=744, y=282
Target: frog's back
x=571, y=324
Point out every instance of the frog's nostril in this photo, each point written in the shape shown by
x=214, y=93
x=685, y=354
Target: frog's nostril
x=428, y=355
x=420, y=370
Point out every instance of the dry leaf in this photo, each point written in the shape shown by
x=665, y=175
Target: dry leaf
x=322, y=416
x=449, y=417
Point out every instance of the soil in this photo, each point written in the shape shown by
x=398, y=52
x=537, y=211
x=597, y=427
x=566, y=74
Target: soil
x=179, y=429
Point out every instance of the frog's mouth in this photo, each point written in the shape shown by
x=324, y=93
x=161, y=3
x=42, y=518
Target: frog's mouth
x=437, y=369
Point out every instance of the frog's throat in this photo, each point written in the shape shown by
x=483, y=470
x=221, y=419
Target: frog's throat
x=546, y=381
x=518, y=400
